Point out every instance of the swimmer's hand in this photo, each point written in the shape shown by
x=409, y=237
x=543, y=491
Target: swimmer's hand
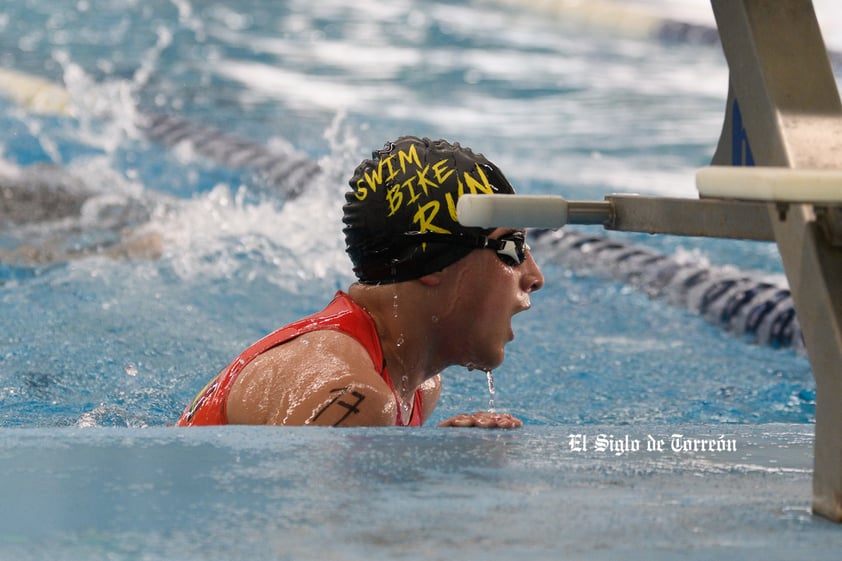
x=484, y=420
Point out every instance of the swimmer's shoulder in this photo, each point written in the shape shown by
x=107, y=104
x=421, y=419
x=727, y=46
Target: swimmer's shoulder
x=322, y=378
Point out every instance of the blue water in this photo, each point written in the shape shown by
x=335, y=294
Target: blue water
x=256, y=493
x=124, y=344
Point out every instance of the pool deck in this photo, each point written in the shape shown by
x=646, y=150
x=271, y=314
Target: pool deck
x=308, y=493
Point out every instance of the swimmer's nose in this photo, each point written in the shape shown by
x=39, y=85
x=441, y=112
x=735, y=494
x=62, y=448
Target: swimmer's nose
x=532, y=278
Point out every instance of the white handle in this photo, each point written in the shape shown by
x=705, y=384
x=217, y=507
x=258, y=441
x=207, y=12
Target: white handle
x=771, y=184
x=512, y=211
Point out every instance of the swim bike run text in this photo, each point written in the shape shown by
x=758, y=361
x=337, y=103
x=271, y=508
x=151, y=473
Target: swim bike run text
x=419, y=185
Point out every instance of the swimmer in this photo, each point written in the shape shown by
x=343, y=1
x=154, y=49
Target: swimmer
x=48, y=215
x=430, y=294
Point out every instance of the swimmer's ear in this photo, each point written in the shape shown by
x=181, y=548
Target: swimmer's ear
x=433, y=279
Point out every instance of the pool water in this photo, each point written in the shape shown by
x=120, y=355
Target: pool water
x=91, y=337
x=257, y=493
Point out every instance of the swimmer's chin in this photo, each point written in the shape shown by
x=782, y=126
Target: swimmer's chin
x=486, y=365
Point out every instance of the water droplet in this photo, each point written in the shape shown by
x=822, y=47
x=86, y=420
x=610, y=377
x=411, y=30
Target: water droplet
x=400, y=341
x=490, y=378
x=406, y=412
x=405, y=405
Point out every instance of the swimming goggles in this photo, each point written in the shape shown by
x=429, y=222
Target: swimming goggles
x=511, y=248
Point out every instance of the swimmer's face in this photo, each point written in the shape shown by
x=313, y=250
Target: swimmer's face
x=486, y=292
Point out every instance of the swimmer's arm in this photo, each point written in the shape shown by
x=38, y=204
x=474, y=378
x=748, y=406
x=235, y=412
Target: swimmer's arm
x=324, y=378
x=346, y=403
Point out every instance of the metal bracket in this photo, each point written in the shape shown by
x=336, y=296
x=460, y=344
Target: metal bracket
x=715, y=218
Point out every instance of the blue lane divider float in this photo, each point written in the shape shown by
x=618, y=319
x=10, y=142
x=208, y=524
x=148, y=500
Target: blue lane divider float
x=755, y=306
x=289, y=171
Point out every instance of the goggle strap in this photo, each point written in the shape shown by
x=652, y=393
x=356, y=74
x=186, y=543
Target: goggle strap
x=507, y=248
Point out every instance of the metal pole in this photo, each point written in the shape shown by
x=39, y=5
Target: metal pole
x=784, y=110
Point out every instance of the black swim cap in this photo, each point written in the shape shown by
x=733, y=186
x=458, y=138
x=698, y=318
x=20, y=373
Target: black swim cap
x=410, y=187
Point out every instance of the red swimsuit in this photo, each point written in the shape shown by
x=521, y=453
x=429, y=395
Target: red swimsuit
x=342, y=315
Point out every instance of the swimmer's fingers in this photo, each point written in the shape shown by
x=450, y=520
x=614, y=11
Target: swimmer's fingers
x=502, y=421
x=483, y=419
x=463, y=420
